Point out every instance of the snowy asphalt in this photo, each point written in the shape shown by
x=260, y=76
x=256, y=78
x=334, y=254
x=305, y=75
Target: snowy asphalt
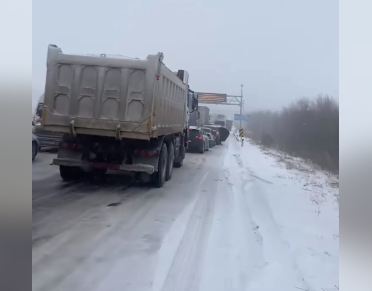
x=235, y=218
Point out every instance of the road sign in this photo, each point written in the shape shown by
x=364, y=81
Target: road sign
x=241, y=132
x=211, y=98
x=238, y=117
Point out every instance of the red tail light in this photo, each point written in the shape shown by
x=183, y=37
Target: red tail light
x=146, y=153
x=71, y=146
x=199, y=137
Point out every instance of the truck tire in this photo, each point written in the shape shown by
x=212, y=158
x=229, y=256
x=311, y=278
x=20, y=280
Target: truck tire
x=34, y=150
x=159, y=176
x=97, y=175
x=178, y=163
x=69, y=173
x=170, y=161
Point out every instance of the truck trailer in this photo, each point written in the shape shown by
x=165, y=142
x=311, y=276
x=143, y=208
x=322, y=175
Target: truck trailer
x=220, y=120
x=117, y=114
x=229, y=124
x=204, y=115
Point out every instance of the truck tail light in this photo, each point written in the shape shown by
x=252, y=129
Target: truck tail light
x=71, y=146
x=146, y=153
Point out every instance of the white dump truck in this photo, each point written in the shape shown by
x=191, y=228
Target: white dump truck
x=117, y=114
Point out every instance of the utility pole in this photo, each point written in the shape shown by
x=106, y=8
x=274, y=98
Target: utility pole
x=241, y=106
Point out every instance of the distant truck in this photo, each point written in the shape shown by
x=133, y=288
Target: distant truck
x=194, y=118
x=200, y=117
x=203, y=115
x=220, y=120
x=48, y=140
x=117, y=114
x=229, y=124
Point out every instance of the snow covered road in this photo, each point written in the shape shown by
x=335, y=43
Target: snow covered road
x=234, y=218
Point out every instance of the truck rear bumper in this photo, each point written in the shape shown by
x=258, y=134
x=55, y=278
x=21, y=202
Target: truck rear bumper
x=144, y=168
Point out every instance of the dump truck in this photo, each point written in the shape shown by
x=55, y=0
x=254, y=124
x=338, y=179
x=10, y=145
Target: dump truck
x=117, y=114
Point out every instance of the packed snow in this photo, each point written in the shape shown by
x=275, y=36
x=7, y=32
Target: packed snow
x=242, y=218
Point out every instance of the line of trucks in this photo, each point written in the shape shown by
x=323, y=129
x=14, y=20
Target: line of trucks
x=117, y=114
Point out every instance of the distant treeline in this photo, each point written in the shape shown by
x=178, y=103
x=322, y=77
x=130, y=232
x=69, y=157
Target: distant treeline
x=307, y=128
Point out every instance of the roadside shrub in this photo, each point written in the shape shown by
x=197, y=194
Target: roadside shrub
x=267, y=140
x=306, y=128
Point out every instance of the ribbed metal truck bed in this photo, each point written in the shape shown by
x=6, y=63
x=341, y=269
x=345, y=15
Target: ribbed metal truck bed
x=118, y=97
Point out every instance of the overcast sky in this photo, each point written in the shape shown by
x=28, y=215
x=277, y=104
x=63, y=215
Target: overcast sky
x=280, y=50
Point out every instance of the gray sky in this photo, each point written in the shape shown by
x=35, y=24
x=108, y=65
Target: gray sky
x=279, y=49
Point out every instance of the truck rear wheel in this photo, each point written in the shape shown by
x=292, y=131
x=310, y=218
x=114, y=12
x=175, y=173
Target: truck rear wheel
x=202, y=149
x=159, y=176
x=69, y=173
x=34, y=150
x=97, y=175
x=170, y=161
x=178, y=162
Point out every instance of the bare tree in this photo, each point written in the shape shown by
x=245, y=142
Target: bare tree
x=307, y=128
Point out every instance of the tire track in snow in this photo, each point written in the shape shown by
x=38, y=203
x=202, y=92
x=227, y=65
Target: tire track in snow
x=234, y=251
x=275, y=251
x=106, y=245
x=184, y=272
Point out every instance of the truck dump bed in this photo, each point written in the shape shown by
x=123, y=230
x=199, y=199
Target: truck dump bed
x=123, y=98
